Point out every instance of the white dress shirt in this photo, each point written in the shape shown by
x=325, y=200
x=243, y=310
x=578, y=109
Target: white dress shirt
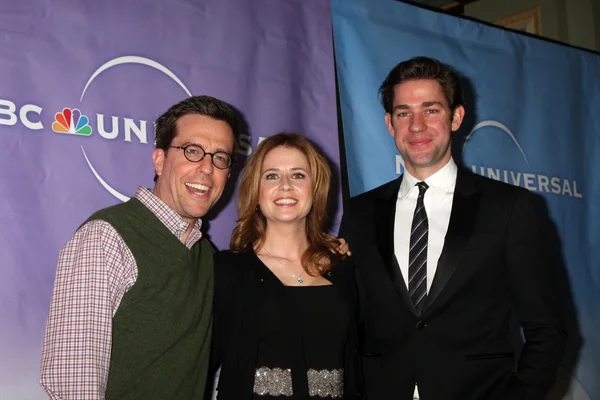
x=438, y=205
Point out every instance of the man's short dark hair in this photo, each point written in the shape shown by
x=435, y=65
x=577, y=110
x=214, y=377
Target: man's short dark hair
x=422, y=68
x=165, y=129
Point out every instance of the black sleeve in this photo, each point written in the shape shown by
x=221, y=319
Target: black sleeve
x=345, y=224
x=534, y=287
x=224, y=287
x=215, y=354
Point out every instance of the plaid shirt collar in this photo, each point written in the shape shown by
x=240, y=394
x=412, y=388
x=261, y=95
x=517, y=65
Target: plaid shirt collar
x=169, y=217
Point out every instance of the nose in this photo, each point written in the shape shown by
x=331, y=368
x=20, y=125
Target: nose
x=205, y=165
x=417, y=124
x=285, y=183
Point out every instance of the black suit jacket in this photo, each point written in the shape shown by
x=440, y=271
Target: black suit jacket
x=491, y=279
x=240, y=282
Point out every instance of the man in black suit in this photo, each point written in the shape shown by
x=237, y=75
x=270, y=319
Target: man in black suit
x=449, y=264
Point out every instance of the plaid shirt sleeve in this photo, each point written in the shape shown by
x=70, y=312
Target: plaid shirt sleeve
x=95, y=269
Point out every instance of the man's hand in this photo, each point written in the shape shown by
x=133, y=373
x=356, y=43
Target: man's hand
x=339, y=246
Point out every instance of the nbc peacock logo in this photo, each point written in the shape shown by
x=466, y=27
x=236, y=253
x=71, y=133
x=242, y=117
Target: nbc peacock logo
x=71, y=122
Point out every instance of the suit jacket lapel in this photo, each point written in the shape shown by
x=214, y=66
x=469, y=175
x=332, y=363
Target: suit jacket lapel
x=462, y=218
x=385, y=213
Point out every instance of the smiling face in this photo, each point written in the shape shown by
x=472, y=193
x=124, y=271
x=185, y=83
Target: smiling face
x=191, y=189
x=285, y=192
x=422, y=124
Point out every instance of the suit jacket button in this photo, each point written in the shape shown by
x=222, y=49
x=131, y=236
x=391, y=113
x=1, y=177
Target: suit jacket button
x=420, y=325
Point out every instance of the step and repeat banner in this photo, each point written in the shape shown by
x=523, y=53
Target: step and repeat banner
x=532, y=121
x=80, y=86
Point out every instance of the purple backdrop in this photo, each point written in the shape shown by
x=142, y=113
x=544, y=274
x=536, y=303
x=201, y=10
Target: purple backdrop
x=121, y=64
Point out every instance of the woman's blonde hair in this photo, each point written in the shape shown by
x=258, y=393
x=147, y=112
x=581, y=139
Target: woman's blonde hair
x=251, y=225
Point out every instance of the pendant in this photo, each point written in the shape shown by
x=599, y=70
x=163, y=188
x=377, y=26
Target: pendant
x=299, y=280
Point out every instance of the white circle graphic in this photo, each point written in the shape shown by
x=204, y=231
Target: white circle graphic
x=106, y=186
x=112, y=63
x=500, y=126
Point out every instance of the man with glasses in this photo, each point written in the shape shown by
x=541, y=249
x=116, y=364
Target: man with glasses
x=132, y=301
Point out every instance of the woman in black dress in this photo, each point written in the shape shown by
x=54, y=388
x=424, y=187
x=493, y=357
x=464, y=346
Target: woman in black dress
x=284, y=312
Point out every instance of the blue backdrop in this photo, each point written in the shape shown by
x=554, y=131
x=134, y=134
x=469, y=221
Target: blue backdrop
x=531, y=121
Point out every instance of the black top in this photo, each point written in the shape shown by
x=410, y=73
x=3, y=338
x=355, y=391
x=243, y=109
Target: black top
x=259, y=322
x=323, y=318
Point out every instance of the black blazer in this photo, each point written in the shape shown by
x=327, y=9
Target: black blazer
x=240, y=281
x=490, y=280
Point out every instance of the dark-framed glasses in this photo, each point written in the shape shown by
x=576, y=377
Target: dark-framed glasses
x=195, y=153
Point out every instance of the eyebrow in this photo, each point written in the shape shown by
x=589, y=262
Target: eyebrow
x=279, y=169
x=219, y=149
x=431, y=103
x=424, y=104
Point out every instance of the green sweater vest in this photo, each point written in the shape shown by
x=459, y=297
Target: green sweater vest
x=162, y=328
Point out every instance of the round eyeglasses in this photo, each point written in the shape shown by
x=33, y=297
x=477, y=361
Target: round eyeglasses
x=195, y=153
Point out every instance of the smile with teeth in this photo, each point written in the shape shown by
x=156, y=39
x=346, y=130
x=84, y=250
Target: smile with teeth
x=287, y=201
x=198, y=188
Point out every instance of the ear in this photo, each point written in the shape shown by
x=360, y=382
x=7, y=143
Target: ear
x=388, y=123
x=158, y=158
x=457, y=118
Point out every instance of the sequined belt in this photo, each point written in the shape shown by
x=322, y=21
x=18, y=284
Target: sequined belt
x=278, y=382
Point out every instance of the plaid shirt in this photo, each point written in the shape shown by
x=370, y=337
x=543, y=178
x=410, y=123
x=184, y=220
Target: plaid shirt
x=95, y=269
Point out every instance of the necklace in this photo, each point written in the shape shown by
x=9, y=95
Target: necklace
x=298, y=278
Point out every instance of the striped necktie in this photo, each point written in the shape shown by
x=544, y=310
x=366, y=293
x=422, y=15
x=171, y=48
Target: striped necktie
x=417, y=257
